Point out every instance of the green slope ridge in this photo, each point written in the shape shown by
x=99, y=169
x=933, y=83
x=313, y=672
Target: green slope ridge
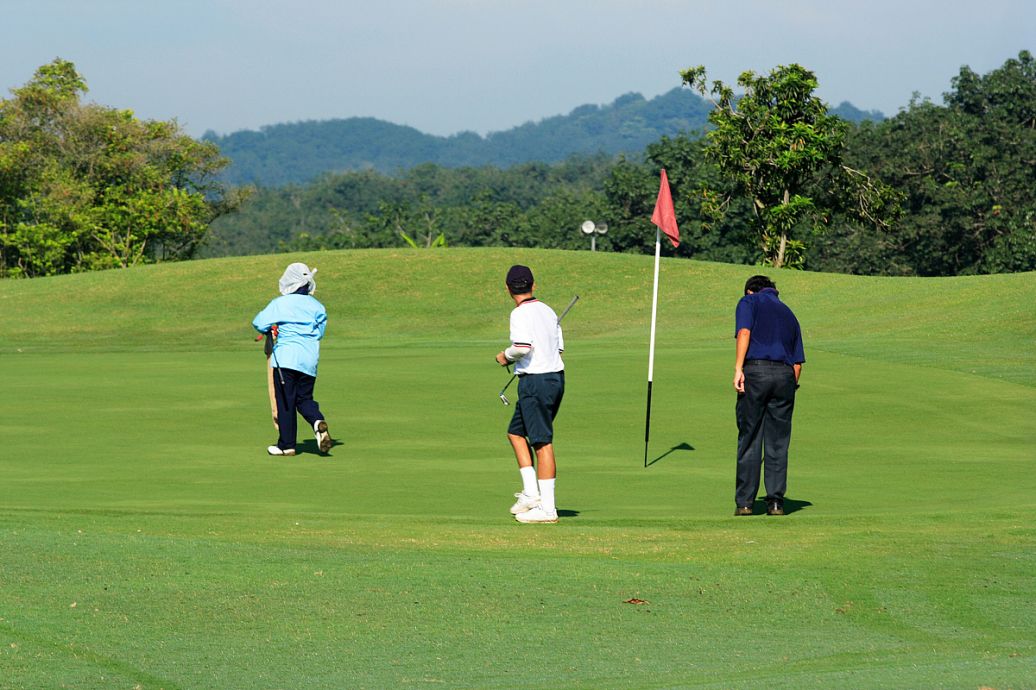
x=975, y=324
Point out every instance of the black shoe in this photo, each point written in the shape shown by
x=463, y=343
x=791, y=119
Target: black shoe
x=742, y=510
x=775, y=508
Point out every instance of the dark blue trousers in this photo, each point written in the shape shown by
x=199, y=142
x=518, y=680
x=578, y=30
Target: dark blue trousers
x=764, y=430
x=539, y=399
x=296, y=395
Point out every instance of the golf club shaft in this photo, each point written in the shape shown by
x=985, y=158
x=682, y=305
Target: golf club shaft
x=570, y=305
x=273, y=354
x=502, y=390
x=268, y=347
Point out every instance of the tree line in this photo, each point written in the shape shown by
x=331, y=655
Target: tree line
x=935, y=190
x=776, y=178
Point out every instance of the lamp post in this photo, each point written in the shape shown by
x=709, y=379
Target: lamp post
x=593, y=230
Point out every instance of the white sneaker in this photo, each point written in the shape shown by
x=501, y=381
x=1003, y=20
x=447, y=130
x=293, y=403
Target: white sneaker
x=525, y=502
x=274, y=450
x=537, y=515
x=323, y=438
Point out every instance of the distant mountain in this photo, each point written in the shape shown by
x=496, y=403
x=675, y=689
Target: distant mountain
x=299, y=152
x=848, y=111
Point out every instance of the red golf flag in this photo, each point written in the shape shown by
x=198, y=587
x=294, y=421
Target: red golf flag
x=664, y=216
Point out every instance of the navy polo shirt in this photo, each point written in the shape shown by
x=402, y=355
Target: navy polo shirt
x=775, y=330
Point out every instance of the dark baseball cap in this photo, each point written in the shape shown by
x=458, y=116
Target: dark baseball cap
x=519, y=278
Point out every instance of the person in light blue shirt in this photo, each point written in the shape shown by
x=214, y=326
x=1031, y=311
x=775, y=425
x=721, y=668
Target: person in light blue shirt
x=297, y=322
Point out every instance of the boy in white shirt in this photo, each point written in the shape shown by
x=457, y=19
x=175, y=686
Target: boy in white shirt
x=535, y=351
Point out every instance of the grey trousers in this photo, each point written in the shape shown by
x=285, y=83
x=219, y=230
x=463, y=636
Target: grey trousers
x=764, y=430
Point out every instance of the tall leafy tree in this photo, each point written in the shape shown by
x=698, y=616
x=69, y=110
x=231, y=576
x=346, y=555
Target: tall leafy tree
x=777, y=144
x=83, y=186
x=967, y=170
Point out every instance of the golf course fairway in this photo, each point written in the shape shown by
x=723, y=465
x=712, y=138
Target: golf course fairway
x=148, y=541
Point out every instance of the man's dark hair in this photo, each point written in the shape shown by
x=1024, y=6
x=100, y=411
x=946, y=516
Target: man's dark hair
x=757, y=283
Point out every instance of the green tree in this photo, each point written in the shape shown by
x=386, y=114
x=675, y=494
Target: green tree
x=85, y=187
x=485, y=221
x=408, y=224
x=967, y=170
x=629, y=191
x=555, y=221
x=777, y=145
x=632, y=189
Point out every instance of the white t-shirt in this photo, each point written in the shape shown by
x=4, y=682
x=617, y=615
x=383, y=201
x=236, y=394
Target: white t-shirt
x=535, y=324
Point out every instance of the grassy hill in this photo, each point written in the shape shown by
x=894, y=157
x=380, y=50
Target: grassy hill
x=149, y=541
x=970, y=324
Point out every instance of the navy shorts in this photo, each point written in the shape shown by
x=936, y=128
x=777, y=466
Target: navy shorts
x=539, y=398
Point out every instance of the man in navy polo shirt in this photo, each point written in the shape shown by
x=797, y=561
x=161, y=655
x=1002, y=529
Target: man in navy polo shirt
x=767, y=366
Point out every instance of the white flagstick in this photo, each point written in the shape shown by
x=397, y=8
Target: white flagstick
x=651, y=347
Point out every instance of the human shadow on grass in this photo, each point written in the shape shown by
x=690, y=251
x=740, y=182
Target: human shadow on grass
x=567, y=513
x=682, y=446
x=311, y=446
x=790, y=506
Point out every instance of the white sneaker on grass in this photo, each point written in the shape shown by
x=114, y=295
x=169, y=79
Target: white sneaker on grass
x=524, y=503
x=537, y=515
x=274, y=450
x=323, y=438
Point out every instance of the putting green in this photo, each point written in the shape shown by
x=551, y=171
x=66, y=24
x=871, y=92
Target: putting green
x=147, y=540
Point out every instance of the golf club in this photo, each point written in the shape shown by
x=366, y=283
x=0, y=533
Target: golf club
x=270, y=345
x=503, y=398
x=268, y=349
x=278, y=368
x=272, y=353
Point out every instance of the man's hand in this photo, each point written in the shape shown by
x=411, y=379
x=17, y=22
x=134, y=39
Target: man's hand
x=744, y=339
x=502, y=360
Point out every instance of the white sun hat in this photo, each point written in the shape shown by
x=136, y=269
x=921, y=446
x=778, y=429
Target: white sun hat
x=295, y=276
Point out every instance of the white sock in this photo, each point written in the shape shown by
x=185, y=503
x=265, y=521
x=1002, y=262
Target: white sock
x=547, y=495
x=529, y=481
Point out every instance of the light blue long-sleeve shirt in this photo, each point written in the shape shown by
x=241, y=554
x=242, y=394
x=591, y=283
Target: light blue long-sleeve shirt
x=301, y=321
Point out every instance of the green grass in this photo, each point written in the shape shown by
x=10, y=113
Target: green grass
x=146, y=540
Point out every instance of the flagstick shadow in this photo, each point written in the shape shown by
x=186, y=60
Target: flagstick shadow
x=682, y=446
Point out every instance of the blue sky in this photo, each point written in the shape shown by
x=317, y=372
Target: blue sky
x=445, y=66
